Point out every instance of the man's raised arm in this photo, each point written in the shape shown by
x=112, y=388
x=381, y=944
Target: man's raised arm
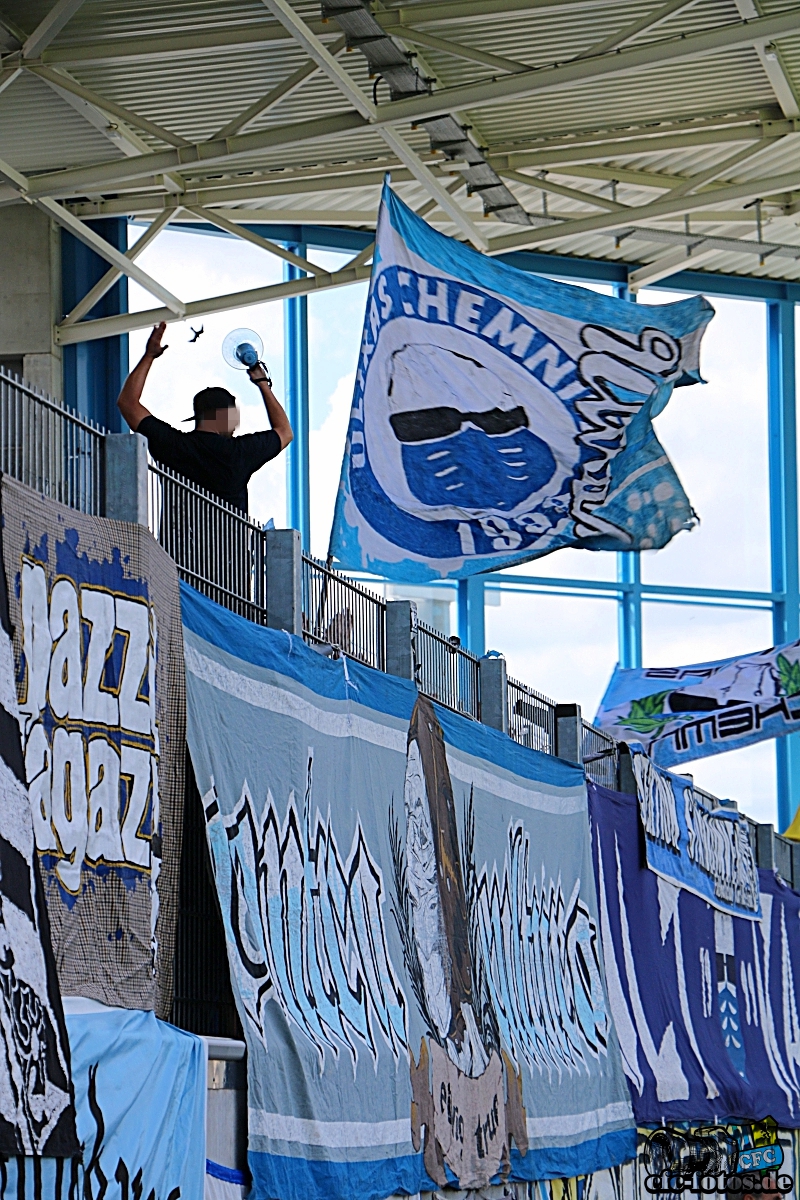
x=128, y=401
x=275, y=411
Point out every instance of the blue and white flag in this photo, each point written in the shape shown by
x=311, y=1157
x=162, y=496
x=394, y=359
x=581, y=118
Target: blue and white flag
x=706, y=851
x=683, y=713
x=498, y=416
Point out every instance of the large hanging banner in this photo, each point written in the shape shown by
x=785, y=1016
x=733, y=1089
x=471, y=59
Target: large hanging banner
x=97, y=642
x=498, y=416
x=410, y=913
x=140, y=1094
x=704, y=850
x=37, y=1115
x=706, y=1005
x=684, y=713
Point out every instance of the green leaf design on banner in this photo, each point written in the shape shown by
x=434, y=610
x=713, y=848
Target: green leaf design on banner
x=789, y=673
x=647, y=715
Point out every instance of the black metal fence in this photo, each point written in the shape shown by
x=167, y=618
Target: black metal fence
x=49, y=448
x=217, y=549
x=447, y=672
x=600, y=756
x=342, y=614
x=531, y=718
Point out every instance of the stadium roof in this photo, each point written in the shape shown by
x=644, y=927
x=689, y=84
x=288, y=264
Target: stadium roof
x=663, y=134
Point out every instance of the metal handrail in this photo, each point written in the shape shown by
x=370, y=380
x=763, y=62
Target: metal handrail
x=343, y=614
x=531, y=717
x=217, y=548
x=49, y=448
x=600, y=756
x=447, y=672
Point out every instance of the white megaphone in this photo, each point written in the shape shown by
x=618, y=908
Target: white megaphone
x=242, y=348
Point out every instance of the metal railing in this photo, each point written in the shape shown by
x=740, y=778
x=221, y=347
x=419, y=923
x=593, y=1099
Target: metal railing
x=49, y=448
x=531, y=718
x=340, y=613
x=447, y=672
x=600, y=756
x=216, y=548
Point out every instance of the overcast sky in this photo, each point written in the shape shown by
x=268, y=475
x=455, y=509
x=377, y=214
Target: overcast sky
x=566, y=647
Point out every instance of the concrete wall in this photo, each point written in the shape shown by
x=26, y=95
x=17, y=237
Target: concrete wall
x=30, y=294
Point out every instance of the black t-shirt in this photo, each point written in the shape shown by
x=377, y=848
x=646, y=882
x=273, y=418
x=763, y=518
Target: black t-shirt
x=222, y=465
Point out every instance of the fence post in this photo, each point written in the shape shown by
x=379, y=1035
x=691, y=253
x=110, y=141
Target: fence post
x=401, y=621
x=765, y=849
x=494, y=692
x=125, y=497
x=284, y=580
x=627, y=779
x=569, y=733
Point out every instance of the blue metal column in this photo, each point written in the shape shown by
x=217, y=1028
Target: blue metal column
x=629, y=615
x=295, y=316
x=95, y=371
x=783, y=496
x=471, y=614
x=629, y=572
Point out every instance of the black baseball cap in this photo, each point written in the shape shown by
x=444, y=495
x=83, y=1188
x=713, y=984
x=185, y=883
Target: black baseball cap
x=209, y=400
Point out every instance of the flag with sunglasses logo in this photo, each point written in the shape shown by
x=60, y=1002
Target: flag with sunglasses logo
x=498, y=416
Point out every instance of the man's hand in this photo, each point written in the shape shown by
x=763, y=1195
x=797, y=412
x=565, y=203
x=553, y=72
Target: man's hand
x=258, y=374
x=129, y=398
x=154, y=349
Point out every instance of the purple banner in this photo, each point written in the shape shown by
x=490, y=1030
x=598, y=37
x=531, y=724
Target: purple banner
x=705, y=1004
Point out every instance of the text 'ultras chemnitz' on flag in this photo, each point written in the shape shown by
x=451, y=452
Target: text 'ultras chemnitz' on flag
x=683, y=713
x=498, y=416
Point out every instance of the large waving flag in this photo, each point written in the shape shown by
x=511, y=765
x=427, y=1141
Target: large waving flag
x=498, y=416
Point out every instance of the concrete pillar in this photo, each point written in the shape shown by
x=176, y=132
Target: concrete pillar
x=765, y=849
x=285, y=580
x=569, y=733
x=30, y=296
x=401, y=624
x=126, y=477
x=494, y=692
x=627, y=780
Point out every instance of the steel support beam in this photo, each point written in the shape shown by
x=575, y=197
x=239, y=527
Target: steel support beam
x=295, y=357
x=662, y=53
x=111, y=276
x=471, y=614
x=50, y=27
x=87, y=331
x=783, y=488
x=665, y=206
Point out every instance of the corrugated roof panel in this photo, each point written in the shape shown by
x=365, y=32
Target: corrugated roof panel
x=39, y=130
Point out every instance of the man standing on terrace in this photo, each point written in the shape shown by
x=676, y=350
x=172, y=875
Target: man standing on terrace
x=210, y=455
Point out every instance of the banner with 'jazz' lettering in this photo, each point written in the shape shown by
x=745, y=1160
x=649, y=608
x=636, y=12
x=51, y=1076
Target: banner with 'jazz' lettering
x=98, y=659
x=498, y=416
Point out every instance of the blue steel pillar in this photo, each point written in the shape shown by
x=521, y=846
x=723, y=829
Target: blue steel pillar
x=471, y=614
x=783, y=496
x=629, y=615
x=295, y=317
x=95, y=371
x=629, y=572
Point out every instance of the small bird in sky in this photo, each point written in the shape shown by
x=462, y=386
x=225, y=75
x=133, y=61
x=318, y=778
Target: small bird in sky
x=196, y=333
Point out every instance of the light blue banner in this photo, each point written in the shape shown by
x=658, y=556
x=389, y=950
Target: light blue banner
x=707, y=851
x=498, y=416
x=684, y=713
x=140, y=1096
x=410, y=913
